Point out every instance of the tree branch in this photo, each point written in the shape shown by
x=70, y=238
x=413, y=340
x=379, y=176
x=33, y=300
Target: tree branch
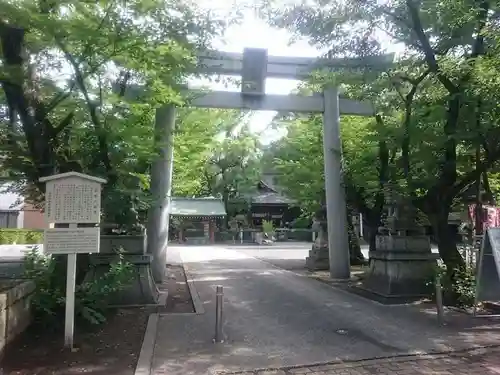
x=467, y=180
x=92, y=108
x=408, y=102
x=429, y=54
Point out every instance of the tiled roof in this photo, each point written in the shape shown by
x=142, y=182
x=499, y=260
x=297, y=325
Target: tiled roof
x=271, y=192
x=197, y=207
x=271, y=198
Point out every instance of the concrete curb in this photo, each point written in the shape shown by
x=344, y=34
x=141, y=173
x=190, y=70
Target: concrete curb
x=145, y=360
x=197, y=304
x=162, y=301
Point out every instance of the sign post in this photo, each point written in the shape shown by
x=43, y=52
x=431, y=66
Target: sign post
x=71, y=199
x=488, y=270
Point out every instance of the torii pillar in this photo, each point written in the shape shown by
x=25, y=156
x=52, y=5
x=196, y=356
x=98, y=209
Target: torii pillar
x=161, y=191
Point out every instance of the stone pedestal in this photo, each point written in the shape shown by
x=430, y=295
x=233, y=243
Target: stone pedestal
x=132, y=244
x=318, y=259
x=142, y=289
x=400, y=268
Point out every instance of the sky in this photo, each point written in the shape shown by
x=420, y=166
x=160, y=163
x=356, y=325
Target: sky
x=255, y=33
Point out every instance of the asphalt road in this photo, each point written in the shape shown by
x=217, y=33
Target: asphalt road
x=290, y=256
x=274, y=317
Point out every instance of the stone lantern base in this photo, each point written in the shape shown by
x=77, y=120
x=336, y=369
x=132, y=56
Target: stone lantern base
x=318, y=259
x=400, y=268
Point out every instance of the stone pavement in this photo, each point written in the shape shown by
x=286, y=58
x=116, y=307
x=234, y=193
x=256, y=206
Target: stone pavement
x=278, y=319
x=480, y=362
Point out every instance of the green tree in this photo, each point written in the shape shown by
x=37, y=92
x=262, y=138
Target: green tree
x=65, y=68
x=233, y=167
x=441, y=93
x=298, y=158
x=197, y=138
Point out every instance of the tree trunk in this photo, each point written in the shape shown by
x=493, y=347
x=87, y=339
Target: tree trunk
x=446, y=239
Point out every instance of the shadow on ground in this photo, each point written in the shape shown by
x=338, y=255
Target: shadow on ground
x=274, y=318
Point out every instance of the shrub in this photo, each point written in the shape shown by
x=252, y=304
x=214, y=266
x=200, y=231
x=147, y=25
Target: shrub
x=20, y=236
x=91, y=298
x=302, y=222
x=459, y=286
x=268, y=227
x=33, y=237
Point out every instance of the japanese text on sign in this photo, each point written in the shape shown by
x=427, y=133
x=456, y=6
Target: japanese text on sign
x=73, y=202
x=71, y=240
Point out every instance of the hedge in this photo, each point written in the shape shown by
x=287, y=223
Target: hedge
x=20, y=236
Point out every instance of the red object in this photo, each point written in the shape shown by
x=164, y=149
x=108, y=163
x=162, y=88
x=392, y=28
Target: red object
x=490, y=216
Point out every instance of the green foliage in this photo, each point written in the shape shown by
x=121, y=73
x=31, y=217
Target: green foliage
x=437, y=102
x=69, y=89
x=20, y=236
x=458, y=285
x=302, y=222
x=91, y=298
x=298, y=158
x=298, y=161
x=216, y=155
x=268, y=227
x=212, y=153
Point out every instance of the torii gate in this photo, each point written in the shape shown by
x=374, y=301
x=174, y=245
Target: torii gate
x=254, y=66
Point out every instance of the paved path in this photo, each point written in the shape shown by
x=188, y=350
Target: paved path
x=478, y=362
x=275, y=318
x=289, y=255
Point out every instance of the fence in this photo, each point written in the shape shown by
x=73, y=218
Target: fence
x=470, y=251
x=281, y=234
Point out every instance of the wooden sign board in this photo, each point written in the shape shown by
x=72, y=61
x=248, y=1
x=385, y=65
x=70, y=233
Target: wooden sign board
x=488, y=267
x=71, y=240
x=72, y=198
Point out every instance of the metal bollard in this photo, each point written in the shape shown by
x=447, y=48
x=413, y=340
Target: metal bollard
x=439, y=302
x=219, y=305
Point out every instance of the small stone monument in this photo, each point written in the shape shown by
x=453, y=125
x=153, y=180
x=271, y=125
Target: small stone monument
x=402, y=263
x=318, y=258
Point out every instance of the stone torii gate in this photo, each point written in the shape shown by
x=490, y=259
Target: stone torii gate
x=254, y=66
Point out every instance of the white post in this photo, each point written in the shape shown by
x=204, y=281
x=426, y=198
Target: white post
x=338, y=243
x=69, y=322
x=161, y=188
x=360, y=225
